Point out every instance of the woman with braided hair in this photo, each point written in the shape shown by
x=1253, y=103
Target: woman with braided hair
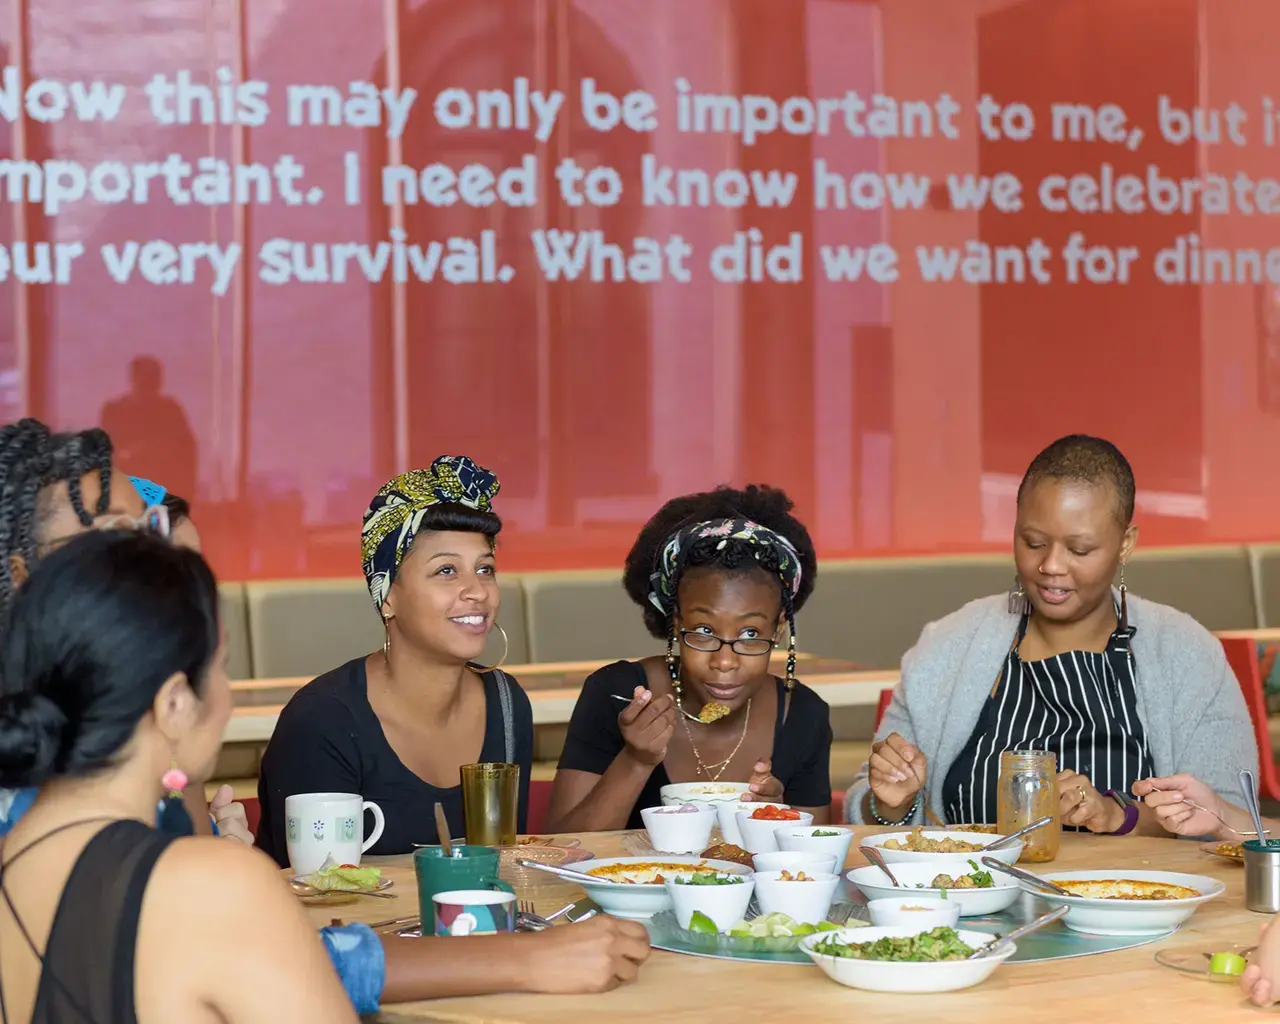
x=719, y=576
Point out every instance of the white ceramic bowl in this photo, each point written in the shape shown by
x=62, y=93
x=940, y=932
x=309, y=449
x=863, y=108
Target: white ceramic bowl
x=726, y=905
x=1008, y=855
x=638, y=901
x=703, y=792
x=794, y=860
x=802, y=838
x=803, y=902
x=886, y=976
x=727, y=817
x=1129, y=917
x=874, y=885
x=676, y=831
x=758, y=833
x=921, y=913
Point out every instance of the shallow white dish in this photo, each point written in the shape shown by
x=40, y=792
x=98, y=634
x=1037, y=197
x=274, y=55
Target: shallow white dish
x=875, y=885
x=675, y=831
x=758, y=833
x=794, y=860
x=927, y=912
x=806, y=902
x=638, y=901
x=1009, y=855
x=912, y=978
x=801, y=837
x=727, y=818
x=703, y=792
x=1128, y=917
x=726, y=905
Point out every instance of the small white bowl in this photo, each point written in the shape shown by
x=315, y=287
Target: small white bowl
x=675, y=831
x=875, y=885
x=703, y=792
x=923, y=913
x=803, y=902
x=945, y=861
x=727, y=817
x=639, y=900
x=1129, y=917
x=726, y=905
x=915, y=978
x=802, y=838
x=795, y=860
x=758, y=833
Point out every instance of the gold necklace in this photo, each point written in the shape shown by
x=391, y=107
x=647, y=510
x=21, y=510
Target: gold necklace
x=720, y=766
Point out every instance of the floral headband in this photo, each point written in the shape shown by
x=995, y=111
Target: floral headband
x=671, y=561
x=395, y=514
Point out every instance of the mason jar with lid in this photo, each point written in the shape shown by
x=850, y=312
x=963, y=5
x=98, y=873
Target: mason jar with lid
x=1028, y=789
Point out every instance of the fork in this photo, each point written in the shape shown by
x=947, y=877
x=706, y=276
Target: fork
x=628, y=700
x=527, y=915
x=1215, y=814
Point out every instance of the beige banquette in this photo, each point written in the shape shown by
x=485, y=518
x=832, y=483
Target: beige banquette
x=867, y=611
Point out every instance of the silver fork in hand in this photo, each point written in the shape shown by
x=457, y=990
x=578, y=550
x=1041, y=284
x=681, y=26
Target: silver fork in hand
x=1198, y=807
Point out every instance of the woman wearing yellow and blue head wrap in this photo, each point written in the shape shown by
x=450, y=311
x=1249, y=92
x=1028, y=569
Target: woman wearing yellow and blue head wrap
x=395, y=726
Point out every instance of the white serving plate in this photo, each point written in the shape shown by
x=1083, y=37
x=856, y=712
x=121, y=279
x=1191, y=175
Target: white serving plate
x=1128, y=917
x=1009, y=855
x=703, y=792
x=638, y=901
x=906, y=978
x=875, y=885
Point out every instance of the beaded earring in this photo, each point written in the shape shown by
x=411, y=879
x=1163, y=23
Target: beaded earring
x=790, y=681
x=673, y=666
x=172, y=816
x=1124, y=605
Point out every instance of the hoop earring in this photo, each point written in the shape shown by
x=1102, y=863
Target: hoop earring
x=506, y=649
x=673, y=666
x=1017, y=603
x=1124, y=605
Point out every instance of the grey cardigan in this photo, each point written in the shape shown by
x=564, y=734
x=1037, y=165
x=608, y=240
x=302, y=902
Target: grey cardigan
x=1188, y=697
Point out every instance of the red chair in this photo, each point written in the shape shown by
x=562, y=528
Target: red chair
x=837, y=805
x=1242, y=656
x=252, y=811
x=539, y=801
x=886, y=697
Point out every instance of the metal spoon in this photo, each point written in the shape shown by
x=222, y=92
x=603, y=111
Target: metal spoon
x=1249, y=785
x=877, y=858
x=1025, y=876
x=303, y=889
x=1017, y=933
x=692, y=718
x=1013, y=837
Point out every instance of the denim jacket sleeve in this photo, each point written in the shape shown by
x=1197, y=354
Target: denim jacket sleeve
x=357, y=956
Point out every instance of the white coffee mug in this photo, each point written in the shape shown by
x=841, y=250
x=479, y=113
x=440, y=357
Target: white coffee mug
x=322, y=825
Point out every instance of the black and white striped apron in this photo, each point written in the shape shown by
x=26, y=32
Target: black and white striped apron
x=1080, y=705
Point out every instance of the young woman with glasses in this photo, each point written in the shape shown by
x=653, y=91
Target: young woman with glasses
x=720, y=577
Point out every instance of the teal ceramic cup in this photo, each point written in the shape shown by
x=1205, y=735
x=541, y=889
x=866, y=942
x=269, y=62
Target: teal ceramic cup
x=470, y=867
x=474, y=912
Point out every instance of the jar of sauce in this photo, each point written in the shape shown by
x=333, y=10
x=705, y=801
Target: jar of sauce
x=1028, y=789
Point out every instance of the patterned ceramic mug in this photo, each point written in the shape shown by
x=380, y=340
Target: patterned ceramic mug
x=474, y=912
x=320, y=825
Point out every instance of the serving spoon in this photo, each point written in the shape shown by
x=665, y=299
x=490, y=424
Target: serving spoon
x=877, y=858
x=1249, y=786
x=1031, y=926
x=1013, y=837
x=1025, y=876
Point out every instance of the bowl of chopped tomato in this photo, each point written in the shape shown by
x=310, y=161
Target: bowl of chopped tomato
x=759, y=825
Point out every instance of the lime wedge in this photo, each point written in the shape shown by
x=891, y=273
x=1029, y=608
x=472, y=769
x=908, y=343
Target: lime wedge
x=1227, y=963
x=803, y=929
x=699, y=922
x=827, y=926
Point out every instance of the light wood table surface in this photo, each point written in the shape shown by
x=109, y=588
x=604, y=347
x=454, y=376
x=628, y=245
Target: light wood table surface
x=1127, y=985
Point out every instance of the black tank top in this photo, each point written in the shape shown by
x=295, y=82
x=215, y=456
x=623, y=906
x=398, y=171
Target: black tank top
x=88, y=960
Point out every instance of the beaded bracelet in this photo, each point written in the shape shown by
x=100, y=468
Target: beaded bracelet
x=879, y=820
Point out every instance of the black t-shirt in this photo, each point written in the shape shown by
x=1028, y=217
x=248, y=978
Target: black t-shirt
x=329, y=740
x=801, y=742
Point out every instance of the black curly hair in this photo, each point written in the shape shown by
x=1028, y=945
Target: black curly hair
x=768, y=506
x=32, y=458
x=1084, y=459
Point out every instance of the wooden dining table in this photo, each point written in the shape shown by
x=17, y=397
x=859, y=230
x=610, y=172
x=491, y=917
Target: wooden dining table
x=1127, y=985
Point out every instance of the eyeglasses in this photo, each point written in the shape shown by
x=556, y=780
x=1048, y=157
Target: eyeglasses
x=153, y=520
x=709, y=643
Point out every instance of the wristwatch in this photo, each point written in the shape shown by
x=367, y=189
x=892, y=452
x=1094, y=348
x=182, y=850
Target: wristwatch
x=1130, y=812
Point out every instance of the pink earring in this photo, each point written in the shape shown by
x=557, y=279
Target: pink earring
x=174, y=780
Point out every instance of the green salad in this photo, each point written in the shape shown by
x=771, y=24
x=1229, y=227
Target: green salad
x=929, y=947
x=706, y=879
